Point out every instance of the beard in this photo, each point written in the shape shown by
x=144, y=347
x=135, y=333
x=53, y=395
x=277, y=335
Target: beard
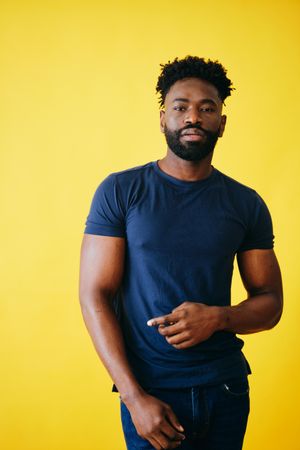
x=192, y=150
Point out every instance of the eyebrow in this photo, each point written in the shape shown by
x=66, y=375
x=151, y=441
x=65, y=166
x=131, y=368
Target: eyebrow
x=186, y=100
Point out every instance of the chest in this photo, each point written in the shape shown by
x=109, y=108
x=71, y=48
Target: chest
x=192, y=223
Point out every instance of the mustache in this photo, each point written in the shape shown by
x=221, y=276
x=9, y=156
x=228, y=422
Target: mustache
x=194, y=127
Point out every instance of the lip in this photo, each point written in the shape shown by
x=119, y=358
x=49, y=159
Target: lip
x=192, y=137
x=192, y=132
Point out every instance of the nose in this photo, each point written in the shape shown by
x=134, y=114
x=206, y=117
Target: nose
x=192, y=116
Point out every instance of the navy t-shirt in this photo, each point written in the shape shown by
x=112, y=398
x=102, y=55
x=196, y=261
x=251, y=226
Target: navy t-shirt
x=181, y=240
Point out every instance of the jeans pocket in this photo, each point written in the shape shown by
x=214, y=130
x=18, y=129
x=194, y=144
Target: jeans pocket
x=236, y=387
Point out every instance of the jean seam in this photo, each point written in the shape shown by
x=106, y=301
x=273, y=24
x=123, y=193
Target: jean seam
x=193, y=406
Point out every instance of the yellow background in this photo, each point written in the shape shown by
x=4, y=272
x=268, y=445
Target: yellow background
x=78, y=101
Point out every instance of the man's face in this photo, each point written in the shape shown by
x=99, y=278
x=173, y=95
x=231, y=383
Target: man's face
x=192, y=120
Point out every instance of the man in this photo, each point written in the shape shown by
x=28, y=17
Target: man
x=156, y=267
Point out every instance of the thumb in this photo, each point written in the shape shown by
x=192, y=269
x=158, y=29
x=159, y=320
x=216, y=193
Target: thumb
x=174, y=421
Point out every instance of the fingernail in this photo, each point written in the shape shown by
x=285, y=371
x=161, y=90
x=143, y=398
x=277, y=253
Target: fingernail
x=149, y=323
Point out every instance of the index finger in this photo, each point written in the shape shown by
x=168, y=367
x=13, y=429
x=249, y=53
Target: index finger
x=168, y=319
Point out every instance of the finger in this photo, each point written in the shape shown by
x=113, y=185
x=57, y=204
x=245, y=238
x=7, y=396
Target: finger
x=172, y=419
x=178, y=338
x=162, y=320
x=167, y=443
x=155, y=444
x=173, y=444
x=171, y=433
x=183, y=345
x=181, y=306
x=162, y=440
x=170, y=330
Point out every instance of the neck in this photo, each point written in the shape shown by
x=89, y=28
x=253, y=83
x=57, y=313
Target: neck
x=186, y=170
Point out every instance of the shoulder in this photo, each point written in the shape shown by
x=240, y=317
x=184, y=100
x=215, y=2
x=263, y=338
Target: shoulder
x=246, y=201
x=133, y=173
x=233, y=184
x=236, y=189
x=125, y=185
x=124, y=177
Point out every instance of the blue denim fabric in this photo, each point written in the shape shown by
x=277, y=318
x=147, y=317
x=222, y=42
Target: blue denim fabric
x=214, y=417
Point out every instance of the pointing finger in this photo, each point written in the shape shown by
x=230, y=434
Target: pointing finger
x=167, y=320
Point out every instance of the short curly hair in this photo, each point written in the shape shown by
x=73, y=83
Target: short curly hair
x=193, y=66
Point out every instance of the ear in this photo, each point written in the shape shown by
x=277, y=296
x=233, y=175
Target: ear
x=162, y=120
x=222, y=125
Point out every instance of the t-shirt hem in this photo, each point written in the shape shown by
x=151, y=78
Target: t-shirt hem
x=214, y=372
x=103, y=232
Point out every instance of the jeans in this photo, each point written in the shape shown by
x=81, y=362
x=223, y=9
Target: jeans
x=213, y=418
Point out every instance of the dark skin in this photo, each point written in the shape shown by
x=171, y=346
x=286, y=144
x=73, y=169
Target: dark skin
x=101, y=269
x=102, y=266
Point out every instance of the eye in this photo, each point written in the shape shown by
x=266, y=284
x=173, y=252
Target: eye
x=179, y=108
x=207, y=109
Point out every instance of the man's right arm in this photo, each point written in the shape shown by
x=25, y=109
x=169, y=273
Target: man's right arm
x=101, y=272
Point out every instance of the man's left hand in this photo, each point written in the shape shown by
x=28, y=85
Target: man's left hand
x=188, y=324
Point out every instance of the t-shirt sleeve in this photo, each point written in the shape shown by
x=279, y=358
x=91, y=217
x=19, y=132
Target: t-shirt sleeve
x=106, y=216
x=259, y=234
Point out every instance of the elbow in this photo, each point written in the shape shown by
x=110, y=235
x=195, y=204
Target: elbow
x=84, y=297
x=92, y=300
x=276, y=319
x=278, y=313
x=91, y=305
x=86, y=302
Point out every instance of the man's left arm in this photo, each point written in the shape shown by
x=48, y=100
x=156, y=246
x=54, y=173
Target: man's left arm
x=262, y=309
x=191, y=323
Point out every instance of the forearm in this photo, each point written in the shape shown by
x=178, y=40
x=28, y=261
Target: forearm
x=107, y=337
x=153, y=419
x=257, y=313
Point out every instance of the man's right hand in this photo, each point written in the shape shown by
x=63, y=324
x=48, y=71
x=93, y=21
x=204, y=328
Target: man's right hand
x=155, y=421
x=101, y=272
